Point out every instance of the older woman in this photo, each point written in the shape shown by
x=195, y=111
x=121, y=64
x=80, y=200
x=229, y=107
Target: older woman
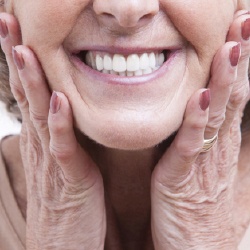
x=131, y=114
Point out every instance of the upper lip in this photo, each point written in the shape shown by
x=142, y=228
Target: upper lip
x=122, y=50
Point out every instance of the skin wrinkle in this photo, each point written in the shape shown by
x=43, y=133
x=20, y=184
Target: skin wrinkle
x=196, y=73
x=79, y=90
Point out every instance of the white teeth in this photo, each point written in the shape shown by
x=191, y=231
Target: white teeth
x=119, y=63
x=144, y=61
x=99, y=62
x=107, y=62
x=160, y=59
x=133, y=62
x=152, y=60
x=93, y=64
x=90, y=60
x=147, y=71
x=138, y=72
x=131, y=65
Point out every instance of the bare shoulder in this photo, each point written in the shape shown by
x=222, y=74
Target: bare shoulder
x=12, y=158
x=10, y=149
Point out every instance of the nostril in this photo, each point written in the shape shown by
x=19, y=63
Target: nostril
x=127, y=14
x=147, y=16
x=108, y=15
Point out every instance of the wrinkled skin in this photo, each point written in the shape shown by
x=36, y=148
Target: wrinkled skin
x=60, y=29
x=191, y=192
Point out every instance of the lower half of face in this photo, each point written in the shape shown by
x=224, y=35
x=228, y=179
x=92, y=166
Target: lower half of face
x=122, y=105
x=129, y=112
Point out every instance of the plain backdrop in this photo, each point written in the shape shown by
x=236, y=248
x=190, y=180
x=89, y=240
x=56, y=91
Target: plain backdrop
x=8, y=124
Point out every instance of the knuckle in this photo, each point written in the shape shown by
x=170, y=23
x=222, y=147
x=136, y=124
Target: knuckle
x=216, y=119
x=186, y=152
x=198, y=124
x=23, y=103
x=17, y=90
x=63, y=154
x=28, y=85
x=58, y=128
x=39, y=120
x=239, y=95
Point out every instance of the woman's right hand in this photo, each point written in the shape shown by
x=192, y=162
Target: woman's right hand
x=65, y=191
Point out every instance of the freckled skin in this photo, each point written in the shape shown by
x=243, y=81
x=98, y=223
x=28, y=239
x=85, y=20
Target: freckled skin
x=118, y=116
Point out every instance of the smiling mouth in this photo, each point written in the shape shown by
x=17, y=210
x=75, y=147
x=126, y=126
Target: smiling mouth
x=124, y=65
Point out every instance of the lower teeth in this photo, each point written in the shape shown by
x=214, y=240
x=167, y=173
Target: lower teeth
x=130, y=73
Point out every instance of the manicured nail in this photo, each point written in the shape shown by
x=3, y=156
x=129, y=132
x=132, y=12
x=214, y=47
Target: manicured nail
x=205, y=99
x=3, y=29
x=18, y=59
x=55, y=103
x=245, y=29
x=235, y=54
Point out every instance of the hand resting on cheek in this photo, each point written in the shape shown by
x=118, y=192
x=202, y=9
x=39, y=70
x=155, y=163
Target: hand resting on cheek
x=191, y=190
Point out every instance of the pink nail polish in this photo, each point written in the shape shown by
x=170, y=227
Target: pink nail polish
x=54, y=103
x=18, y=59
x=245, y=29
x=205, y=99
x=235, y=55
x=3, y=29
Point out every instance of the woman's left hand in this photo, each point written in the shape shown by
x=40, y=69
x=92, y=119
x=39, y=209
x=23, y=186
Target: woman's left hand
x=192, y=191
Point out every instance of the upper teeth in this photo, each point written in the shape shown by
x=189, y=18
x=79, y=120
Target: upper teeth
x=131, y=65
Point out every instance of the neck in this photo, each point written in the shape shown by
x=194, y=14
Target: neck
x=127, y=179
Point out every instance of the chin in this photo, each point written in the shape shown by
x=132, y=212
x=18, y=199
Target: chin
x=136, y=135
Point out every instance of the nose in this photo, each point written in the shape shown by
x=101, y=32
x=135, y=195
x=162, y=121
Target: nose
x=127, y=13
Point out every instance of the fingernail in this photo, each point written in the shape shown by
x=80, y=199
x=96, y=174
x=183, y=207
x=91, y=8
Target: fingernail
x=205, y=99
x=3, y=29
x=18, y=59
x=235, y=54
x=54, y=103
x=245, y=29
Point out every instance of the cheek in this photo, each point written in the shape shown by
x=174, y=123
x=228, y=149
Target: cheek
x=203, y=23
x=47, y=22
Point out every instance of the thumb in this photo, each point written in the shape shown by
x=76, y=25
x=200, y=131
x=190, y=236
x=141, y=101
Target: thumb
x=76, y=164
x=176, y=164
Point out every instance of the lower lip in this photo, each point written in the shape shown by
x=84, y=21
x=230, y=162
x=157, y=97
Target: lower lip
x=125, y=80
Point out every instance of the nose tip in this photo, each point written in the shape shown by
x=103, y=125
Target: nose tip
x=126, y=13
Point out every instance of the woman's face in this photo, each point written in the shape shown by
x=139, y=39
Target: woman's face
x=131, y=111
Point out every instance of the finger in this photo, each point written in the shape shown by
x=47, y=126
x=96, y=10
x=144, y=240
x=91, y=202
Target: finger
x=240, y=32
x=223, y=75
x=75, y=163
x=241, y=13
x=10, y=36
x=176, y=164
x=35, y=88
